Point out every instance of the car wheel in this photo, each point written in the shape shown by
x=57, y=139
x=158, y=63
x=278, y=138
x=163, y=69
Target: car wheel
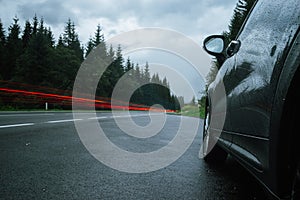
x=293, y=151
x=296, y=150
x=212, y=153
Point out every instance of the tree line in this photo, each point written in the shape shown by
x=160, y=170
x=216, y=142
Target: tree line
x=33, y=57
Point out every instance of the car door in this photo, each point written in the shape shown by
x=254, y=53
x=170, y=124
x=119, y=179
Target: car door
x=265, y=39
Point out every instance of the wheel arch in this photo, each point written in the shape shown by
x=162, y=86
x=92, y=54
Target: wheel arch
x=283, y=138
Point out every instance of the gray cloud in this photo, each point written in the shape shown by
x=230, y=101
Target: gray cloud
x=191, y=17
x=53, y=12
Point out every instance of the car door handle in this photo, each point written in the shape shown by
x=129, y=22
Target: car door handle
x=233, y=47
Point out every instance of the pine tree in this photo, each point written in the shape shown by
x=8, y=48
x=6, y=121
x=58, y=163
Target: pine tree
x=97, y=41
x=71, y=39
x=41, y=28
x=115, y=70
x=210, y=77
x=60, y=42
x=155, y=79
x=147, y=73
x=240, y=13
x=118, y=63
x=50, y=37
x=34, y=64
x=106, y=83
x=90, y=46
x=35, y=25
x=111, y=54
x=69, y=34
x=26, y=34
x=2, y=34
x=99, y=38
x=128, y=65
x=137, y=73
x=13, y=50
x=2, y=49
x=64, y=68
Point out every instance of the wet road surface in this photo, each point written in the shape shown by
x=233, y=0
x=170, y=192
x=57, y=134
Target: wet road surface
x=42, y=157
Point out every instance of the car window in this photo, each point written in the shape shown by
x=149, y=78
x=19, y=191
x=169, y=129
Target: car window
x=266, y=34
x=261, y=21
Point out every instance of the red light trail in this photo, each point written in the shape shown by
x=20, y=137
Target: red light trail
x=30, y=97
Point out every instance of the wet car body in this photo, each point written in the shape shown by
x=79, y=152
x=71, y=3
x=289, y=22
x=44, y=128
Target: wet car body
x=261, y=81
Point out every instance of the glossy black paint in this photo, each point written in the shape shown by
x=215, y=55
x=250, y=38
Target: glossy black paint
x=252, y=78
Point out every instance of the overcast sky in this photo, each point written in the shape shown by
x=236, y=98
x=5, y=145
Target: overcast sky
x=193, y=18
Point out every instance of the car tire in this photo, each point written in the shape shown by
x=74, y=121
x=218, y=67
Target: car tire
x=294, y=112
x=291, y=143
x=212, y=153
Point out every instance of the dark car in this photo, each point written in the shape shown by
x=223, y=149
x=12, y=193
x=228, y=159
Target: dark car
x=254, y=101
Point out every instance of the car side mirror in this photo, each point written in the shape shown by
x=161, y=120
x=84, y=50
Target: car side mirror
x=215, y=46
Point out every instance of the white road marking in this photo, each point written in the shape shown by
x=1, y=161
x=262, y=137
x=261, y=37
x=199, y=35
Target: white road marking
x=62, y=121
x=25, y=115
x=66, y=120
x=140, y=115
x=98, y=117
x=118, y=116
x=16, y=125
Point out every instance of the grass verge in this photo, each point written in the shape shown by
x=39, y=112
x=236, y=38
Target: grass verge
x=192, y=111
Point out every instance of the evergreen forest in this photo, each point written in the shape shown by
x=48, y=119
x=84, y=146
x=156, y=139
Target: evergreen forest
x=35, y=69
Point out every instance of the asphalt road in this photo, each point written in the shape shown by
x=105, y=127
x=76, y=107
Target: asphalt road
x=42, y=157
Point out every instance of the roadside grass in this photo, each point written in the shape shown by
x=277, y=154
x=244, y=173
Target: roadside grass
x=192, y=111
